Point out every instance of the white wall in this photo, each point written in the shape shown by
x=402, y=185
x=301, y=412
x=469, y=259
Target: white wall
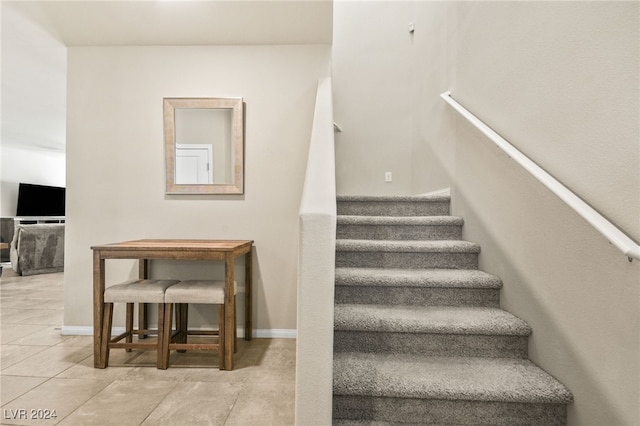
x=433, y=163
x=115, y=165
x=28, y=165
x=33, y=86
x=372, y=82
x=386, y=96
x=560, y=80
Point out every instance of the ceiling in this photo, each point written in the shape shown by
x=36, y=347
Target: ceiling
x=36, y=34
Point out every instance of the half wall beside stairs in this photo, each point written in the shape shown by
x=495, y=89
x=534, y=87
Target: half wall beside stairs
x=314, y=346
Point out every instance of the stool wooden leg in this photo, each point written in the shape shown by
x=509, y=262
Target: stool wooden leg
x=107, y=319
x=129, y=324
x=163, y=350
x=143, y=319
x=182, y=321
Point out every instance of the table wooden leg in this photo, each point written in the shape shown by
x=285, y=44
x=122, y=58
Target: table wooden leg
x=248, y=304
x=160, y=354
x=229, y=313
x=221, y=339
x=98, y=304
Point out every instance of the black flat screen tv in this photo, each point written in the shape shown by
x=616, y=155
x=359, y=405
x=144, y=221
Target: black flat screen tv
x=40, y=200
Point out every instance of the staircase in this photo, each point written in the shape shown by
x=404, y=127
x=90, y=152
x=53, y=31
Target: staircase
x=419, y=335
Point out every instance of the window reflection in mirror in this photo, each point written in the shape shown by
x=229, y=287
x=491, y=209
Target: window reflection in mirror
x=204, y=145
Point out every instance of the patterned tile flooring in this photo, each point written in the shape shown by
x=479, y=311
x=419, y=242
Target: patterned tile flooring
x=43, y=373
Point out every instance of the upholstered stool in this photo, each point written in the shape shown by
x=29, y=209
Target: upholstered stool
x=206, y=292
x=131, y=292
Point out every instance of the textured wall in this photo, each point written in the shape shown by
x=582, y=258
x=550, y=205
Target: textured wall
x=372, y=81
x=115, y=163
x=560, y=81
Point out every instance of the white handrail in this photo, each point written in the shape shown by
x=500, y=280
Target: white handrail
x=626, y=245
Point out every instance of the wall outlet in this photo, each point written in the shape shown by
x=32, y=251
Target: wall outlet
x=388, y=177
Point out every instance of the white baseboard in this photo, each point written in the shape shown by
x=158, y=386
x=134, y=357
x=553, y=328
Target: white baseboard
x=273, y=333
x=70, y=330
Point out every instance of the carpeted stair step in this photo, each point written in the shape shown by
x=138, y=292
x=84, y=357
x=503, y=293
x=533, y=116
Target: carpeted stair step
x=399, y=227
x=445, y=390
x=446, y=254
x=411, y=205
x=422, y=287
x=430, y=331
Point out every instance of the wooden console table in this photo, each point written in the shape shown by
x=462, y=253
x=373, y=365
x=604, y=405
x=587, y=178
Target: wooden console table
x=145, y=250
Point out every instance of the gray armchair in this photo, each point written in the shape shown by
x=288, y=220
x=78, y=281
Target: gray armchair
x=38, y=249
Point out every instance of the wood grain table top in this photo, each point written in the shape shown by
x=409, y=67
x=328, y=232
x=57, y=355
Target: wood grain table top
x=176, y=245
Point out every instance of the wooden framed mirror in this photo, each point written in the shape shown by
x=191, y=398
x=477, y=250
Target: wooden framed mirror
x=204, y=145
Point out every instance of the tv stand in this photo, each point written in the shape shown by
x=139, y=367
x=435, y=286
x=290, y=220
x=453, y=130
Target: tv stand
x=32, y=220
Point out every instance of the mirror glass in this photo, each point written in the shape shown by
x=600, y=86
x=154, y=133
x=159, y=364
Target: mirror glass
x=204, y=145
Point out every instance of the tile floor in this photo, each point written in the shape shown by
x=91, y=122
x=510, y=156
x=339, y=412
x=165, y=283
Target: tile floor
x=42, y=372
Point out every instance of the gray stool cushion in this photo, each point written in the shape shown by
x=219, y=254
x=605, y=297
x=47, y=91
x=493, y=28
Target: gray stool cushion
x=197, y=291
x=138, y=291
